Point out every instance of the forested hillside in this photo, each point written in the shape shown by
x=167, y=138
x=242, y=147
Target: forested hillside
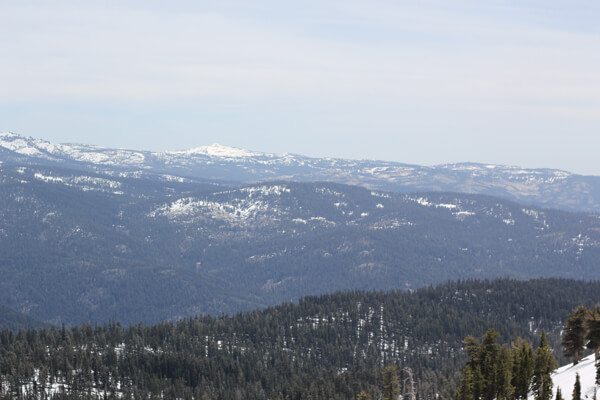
x=79, y=246
x=12, y=320
x=327, y=347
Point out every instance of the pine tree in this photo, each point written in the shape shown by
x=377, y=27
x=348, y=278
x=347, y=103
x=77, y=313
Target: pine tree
x=522, y=354
x=490, y=352
x=363, y=396
x=559, y=395
x=544, y=364
x=505, y=389
x=466, y=390
x=474, y=352
x=573, y=339
x=577, y=388
x=592, y=336
x=391, y=384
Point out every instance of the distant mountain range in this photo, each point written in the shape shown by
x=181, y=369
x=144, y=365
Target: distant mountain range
x=541, y=187
x=82, y=244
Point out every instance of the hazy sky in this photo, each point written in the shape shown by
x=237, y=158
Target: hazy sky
x=514, y=82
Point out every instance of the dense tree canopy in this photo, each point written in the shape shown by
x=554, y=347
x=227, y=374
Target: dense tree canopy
x=332, y=346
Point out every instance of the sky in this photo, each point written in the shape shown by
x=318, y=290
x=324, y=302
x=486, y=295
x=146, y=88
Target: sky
x=425, y=82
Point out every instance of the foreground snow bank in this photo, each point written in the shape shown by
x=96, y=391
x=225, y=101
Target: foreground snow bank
x=564, y=378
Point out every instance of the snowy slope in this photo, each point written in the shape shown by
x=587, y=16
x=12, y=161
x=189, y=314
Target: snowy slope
x=564, y=377
x=541, y=187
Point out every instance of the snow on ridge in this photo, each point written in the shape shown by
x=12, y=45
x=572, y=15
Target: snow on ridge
x=29, y=146
x=19, y=144
x=217, y=150
x=82, y=182
x=455, y=209
x=191, y=209
x=266, y=190
x=214, y=154
x=380, y=194
x=564, y=377
x=424, y=201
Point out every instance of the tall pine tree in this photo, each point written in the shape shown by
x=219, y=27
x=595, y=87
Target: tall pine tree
x=490, y=351
x=391, y=384
x=559, y=395
x=505, y=389
x=577, y=388
x=573, y=339
x=522, y=368
x=466, y=390
x=544, y=364
x=592, y=336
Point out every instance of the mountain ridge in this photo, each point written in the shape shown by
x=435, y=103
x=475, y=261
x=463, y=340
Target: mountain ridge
x=81, y=245
x=544, y=187
x=226, y=151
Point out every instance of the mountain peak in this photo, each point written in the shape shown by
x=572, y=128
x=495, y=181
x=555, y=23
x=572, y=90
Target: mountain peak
x=11, y=135
x=20, y=144
x=219, y=150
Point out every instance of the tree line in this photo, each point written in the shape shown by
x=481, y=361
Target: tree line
x=326, y=347
x=516, y=371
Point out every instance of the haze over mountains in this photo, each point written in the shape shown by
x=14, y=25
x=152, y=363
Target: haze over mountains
x=89, y=234
x=541, y=187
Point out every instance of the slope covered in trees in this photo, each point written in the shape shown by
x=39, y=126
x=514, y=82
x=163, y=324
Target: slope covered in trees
x=500, y=372
x=79, y=246
x=12, y=320
x=328, y=347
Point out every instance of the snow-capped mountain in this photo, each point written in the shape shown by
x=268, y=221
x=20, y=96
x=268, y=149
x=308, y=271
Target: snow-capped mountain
x=541, y=187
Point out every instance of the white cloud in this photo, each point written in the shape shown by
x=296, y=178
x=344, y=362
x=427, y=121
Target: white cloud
x=407, y=53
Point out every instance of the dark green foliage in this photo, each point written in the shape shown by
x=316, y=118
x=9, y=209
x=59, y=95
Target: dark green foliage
x=522, y=354
x=327, y=347
x=573, y=339
x=577, y=388
x=363, y=396
x=593, y=331
x=505, y=388
x=488, y=372
x=544, y=364
x=467, y=388
x=391, y=383
x=559, y=395
x=494, y=371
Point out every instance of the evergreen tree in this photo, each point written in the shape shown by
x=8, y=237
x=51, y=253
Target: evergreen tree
x=577, y=388
x=559, y=395
x=363, y=396
x=544, y=364
x=466, y=390
x=391, y=384
x=522, y=368
x=490, y=351
x=592, y=336
x=474, y=352
x=573, y=339
x=505, y=389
